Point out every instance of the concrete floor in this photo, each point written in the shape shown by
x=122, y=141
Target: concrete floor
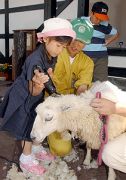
x=7, y=149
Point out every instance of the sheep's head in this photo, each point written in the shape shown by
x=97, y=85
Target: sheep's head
x=47, y=119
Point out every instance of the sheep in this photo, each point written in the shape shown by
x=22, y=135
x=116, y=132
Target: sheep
x=74, y=113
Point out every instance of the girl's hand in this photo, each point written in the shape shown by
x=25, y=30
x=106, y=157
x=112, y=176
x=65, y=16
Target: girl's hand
x=37, y=84
x=50, y=72
x=39, y=78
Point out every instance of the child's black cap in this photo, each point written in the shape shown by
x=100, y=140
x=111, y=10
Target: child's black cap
x=100, y=10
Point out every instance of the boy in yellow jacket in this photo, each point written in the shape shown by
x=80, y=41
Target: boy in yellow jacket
x=74, y=70
x=72, y=75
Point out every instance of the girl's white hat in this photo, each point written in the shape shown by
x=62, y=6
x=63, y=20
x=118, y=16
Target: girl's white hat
x=56, y=27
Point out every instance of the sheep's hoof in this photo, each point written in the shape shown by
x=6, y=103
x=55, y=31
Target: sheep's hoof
x=86, y=162
x=92, y=164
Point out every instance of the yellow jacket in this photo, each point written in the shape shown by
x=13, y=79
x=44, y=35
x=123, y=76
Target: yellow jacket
x=68, y=77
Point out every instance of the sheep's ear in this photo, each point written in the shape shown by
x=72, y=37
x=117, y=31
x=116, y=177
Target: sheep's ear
x=65, y=108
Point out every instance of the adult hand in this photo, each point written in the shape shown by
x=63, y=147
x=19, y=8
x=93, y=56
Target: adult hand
x=103, y=106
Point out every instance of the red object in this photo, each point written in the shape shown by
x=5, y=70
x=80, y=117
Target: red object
x=98, y=95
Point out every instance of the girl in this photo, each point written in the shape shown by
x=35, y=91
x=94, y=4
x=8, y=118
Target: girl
x=18, y=107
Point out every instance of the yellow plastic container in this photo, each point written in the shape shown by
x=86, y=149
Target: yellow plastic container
x=58, y=146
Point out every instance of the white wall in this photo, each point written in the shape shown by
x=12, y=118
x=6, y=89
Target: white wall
x=71, y=11
x=2, y=23
x=25, y=20
x=17, y=3
x=2, y=27
x=117, y=61
x=1, y=4
x=2, y=46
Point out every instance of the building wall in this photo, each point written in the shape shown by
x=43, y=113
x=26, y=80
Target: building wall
x=71, y=11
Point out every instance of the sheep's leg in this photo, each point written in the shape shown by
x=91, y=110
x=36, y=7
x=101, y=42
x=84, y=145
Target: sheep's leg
x=87, y=160
x=111, y=174
x=74, y=135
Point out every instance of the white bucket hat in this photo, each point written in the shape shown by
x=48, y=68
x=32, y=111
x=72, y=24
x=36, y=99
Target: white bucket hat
x=56, y=27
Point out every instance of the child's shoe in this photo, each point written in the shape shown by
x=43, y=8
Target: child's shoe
x=29, y=164
x=41, y=154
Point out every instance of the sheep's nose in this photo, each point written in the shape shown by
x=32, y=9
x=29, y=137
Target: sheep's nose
x=32, y=137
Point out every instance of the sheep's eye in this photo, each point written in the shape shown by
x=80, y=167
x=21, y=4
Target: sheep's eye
x=48, y=118
x=65, y=108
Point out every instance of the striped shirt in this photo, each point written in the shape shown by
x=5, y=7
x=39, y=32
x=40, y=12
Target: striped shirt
x=97, y=48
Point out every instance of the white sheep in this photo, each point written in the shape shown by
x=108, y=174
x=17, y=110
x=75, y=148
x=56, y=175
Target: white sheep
x=74, y=113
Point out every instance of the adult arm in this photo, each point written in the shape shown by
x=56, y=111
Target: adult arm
x=106, y=107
